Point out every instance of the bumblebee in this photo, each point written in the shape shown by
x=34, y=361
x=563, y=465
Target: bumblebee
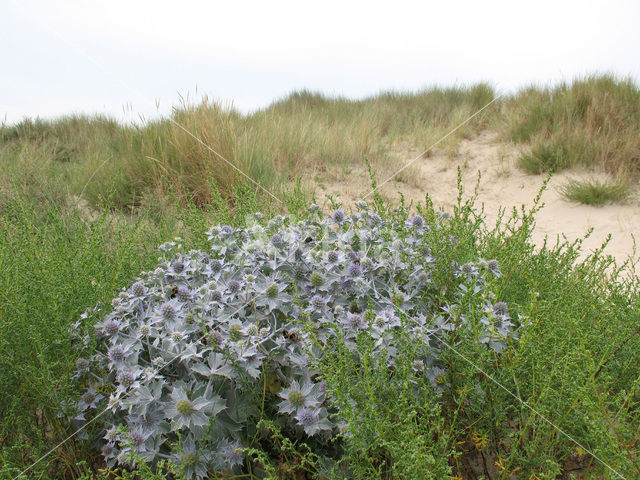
x=174, y=291
x=291, y=335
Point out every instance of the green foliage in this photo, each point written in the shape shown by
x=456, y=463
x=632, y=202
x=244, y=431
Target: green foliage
x=564, y=399
x=593, y=122
x=596, y=192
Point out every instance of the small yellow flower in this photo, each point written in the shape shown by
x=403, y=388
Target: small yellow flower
x=479, y=440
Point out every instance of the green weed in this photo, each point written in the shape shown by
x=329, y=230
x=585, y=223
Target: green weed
x=596, y=192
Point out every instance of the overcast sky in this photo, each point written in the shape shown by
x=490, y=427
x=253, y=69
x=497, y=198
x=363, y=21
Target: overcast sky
x=123, y=57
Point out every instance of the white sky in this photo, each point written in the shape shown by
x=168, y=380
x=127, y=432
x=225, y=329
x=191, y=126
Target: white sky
x=121, y=57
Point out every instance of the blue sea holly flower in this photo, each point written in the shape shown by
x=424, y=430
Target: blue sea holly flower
x=277, y=241
x=117, y=355
x=229, y=454
x=501, y=310
x=354, y=321
x=354, y=270
x=234, y=286
x=89, y=399
x=225, y=231
x=298, y=396
x=193, y=463
x=168, y=312
x=183, y=353
x=185, y=412
x=313, y=420
x=416, y=222
x=127, y=380
x=110, y=327
x=138, y=290
x=338, y=216
x=316, y=304
x=136, y=439
x=184, y=294
x=362, y=205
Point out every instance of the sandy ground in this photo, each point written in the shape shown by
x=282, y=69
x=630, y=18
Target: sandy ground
x=502, y=184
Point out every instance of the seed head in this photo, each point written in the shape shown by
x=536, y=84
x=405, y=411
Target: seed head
x=253, y=330
x=184, y=407
x=298, y=271
x=272, y=290
x=168, y=312
x=317, y=302
x=317, y=279
x=277, y=241
x=265, y=331
x=366, y=263
x=178, y=266
x=216, y=295
x=216, y=266
x=176, y=337
x=82, y=363
x=398, y=299
x=126, y=378
x=138, y=289
x=355, y=320
x=469, y=269
x=418, y=366
x=88, y=397
x=501, y=309
x=111, y=327
x=189, y=459
x=136, y=438
x=234, y=286
x=296, y=398
x=116, y=354
x=333, y=256
x=235, y=331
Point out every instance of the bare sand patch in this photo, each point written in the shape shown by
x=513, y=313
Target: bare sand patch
x=502, y=184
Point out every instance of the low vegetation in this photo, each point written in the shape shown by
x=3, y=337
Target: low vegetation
x=592, y=123
x=131, y=166
x=553, y=395
x=596, y=192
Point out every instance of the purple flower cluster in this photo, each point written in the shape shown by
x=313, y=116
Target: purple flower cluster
x=189, y=345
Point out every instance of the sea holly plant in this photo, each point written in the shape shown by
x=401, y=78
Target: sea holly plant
x=196, y=353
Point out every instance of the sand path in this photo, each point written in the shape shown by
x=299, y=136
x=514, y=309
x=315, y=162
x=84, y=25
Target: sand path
x=502, y=184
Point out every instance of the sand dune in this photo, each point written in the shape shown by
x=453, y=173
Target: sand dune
x=502, y=184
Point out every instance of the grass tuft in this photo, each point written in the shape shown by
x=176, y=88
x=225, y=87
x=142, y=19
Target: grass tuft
x=595, y=192
x=594, y=122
